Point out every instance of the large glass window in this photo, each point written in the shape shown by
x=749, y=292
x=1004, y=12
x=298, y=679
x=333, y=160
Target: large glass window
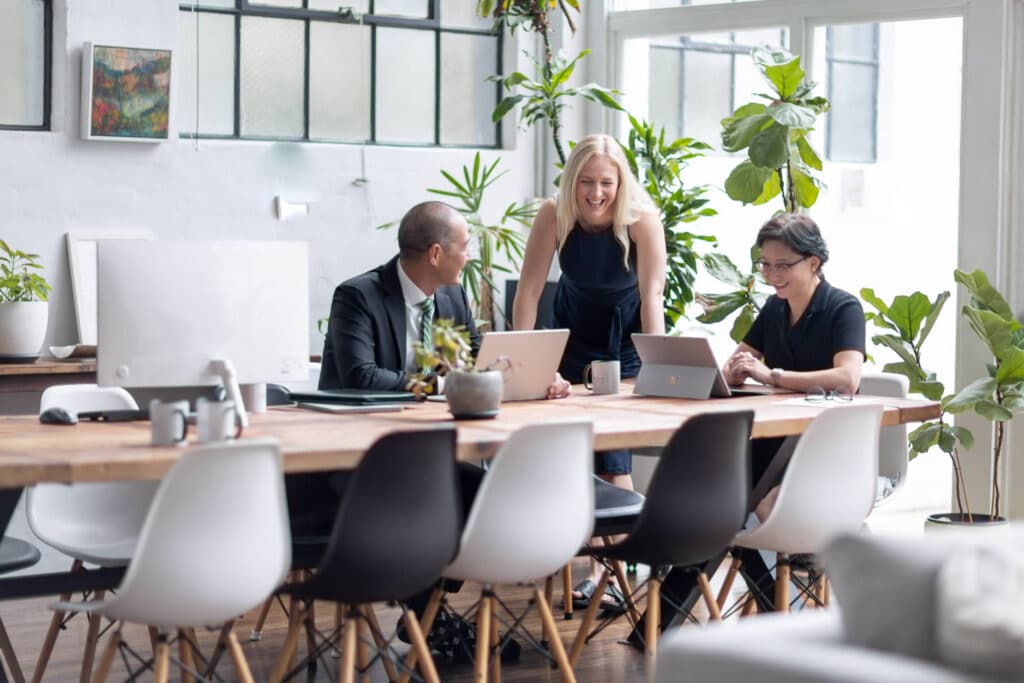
x=852, y=56
x=25, y=39
x=410, y=72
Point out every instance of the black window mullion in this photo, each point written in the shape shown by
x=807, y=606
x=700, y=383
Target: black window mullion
x=306, y=80
x=437, y=87
x=373, y=82
x=238, y=77
x=47, y=62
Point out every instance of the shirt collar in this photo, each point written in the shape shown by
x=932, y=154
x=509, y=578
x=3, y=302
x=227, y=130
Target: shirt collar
x=819, y=299
x=412, y=294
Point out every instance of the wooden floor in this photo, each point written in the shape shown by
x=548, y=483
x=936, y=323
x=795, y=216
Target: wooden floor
x=605, y=660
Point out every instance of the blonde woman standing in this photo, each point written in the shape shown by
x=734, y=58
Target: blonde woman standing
x=610, y=245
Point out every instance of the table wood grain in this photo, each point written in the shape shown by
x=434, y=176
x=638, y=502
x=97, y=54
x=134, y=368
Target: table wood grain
x=31, y=452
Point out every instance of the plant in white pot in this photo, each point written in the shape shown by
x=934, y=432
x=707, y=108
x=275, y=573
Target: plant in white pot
x=23, y=306
x=471, y=392
x=997, y=396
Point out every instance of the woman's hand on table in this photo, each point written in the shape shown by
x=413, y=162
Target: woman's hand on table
x=742, y=365
x=559, y=388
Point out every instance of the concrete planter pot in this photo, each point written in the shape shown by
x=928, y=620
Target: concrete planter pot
x=473, y=395
x=948, y=521
x=22, y=329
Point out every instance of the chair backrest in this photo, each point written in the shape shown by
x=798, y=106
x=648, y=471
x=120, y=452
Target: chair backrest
x=216, y=540
x=829, y=485
x=101, y=514
x=892, y=441
x=535, y=507
x=399, y=521
x=698, y=495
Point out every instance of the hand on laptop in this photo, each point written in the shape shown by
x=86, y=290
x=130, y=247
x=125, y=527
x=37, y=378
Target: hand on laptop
x=742, y=365
x=559, y=388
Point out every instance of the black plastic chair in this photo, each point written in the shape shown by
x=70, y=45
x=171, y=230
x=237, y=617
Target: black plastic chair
x=696, y=502
x=14, y=555
x=397, y=528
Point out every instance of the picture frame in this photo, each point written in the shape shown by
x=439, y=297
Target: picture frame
x=126, y=93
x=81, y=246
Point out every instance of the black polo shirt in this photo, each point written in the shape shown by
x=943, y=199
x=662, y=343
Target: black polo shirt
x=833, y=322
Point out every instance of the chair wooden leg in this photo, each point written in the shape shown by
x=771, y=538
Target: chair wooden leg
x=826, y=590
x=285, y=658
x=557, y=649
x=426, y=623
x=103, y=668
x=9, y=656
x=92, y=635
x=588, y=622
x=363, y=648
x=730, y=578
x=483, y=636
x=51, y=633
x=549, y=588
x=495, y=644
x=378, y=640
x=567, y=591
x=185, y=653
x=419, y=646
x=347, y=671
x=653, y=615
x=238, y=659
x=261, y=619
x=750, y=608
x=631, y=609
x=339, y=621
x=161, y=660
x=782, y=584
x=709, y=597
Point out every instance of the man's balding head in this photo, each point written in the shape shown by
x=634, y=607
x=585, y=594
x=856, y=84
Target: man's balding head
x=426, y=224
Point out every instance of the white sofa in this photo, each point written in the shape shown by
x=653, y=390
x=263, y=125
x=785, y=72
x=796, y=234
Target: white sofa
x=936, y=609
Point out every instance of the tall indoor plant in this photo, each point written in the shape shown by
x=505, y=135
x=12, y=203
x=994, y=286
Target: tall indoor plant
x=23, y=304
x=998, y=395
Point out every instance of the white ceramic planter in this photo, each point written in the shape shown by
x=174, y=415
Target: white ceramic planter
x=473, y=395
x=22, y=328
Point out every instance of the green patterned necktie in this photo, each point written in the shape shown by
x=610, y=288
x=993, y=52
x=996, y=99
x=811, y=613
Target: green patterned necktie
x=426, y=322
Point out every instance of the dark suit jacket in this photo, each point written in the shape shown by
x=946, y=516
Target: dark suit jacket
x=365, y=344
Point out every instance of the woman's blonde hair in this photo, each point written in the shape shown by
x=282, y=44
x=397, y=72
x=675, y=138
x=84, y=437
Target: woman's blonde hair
x=630, y=200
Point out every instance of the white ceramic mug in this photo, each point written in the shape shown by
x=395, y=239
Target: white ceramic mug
x=602, y=376
x=168, y=422
x=217, y=420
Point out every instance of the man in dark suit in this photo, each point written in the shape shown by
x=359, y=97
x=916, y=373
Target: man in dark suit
x=377, y=317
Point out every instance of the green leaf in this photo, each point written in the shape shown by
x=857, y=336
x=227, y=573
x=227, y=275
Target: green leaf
x=924, y=437
x=907, y=312
x=746, y=182
x=805, y=187
x=742, y=324
x=965, y=399
x=721, y=267
x=792, y=115
x=996, y=332
x=902, y=348
x=779, y=68
x=992, y=411
x=718, y=307
x=984, y=293
x=596, y=93
x=807, y=153
x=870, y=297
x=933, y=315
x=1011, y=367
x=963, y=435
x=738, y=131
x=770, y=147
x=505, y=106
x=931, y=390
x=771, y=189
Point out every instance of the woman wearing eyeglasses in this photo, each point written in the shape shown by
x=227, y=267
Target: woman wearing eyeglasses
x=809, y=337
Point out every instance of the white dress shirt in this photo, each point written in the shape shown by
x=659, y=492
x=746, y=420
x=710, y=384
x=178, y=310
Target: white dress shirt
x=413, y=296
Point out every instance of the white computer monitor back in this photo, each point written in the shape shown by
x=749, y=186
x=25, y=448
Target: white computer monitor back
x=165, y=309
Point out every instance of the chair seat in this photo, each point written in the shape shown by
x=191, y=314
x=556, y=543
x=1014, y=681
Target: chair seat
x=17, y=554
x=112, y=554
x=615, y=508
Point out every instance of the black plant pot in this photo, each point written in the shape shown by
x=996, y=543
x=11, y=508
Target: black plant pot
x=956, y=520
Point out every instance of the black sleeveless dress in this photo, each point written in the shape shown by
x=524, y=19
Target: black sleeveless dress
x=598, y=300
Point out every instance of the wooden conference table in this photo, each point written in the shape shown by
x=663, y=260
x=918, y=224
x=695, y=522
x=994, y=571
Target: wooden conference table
x=31, y=452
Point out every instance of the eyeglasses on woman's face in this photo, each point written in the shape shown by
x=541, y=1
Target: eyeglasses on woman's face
x=818, y=394
x=780, y=268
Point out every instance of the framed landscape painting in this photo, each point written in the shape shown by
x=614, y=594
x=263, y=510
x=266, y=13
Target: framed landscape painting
x=126, y=93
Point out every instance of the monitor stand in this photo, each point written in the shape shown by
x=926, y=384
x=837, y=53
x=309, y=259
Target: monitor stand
x=225, y=369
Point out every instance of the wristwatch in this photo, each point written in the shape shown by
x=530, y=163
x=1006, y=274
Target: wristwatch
x=776, y=376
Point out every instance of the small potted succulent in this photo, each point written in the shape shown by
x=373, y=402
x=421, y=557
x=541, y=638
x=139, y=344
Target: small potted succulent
x=23, y=306
x=471, y=392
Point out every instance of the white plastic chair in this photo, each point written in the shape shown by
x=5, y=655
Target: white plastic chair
x=214, y=545
x=828, y=489
x=95, y=523
x=892, y=441
x=532, y=513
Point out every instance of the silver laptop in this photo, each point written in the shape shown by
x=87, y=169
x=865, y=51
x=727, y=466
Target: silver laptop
x=533, y=358
x=683, y=367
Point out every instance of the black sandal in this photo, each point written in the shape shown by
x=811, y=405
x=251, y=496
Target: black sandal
x=586, y=590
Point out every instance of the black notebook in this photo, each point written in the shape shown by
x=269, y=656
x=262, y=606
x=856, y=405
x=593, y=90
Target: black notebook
x=352, y=397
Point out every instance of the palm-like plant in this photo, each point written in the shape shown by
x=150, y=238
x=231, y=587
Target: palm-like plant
x=18, y=279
